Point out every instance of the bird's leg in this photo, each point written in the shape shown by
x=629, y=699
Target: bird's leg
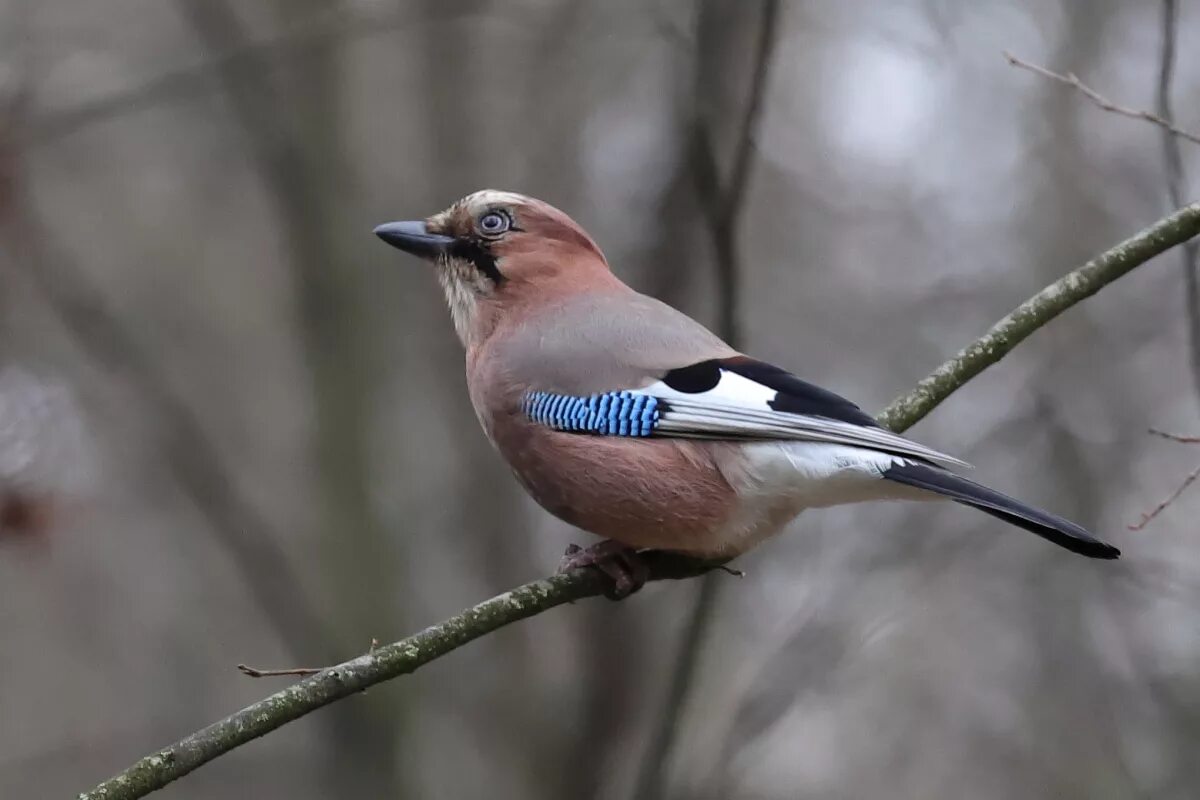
x=623, y=565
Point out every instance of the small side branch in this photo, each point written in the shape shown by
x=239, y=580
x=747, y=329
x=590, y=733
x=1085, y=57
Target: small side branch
x=1161, y=507
x=1175, y=437
x=351, y=677
x=1072, y=80
x=254, y=672
x=1188, y=481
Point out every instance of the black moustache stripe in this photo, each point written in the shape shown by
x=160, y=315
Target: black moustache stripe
x=478, y=255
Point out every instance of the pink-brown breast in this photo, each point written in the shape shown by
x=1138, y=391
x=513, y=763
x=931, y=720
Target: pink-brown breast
x=663, y=494
x=647, y=493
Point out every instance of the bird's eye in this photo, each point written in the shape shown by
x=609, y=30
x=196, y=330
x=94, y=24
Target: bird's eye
x=494, y=222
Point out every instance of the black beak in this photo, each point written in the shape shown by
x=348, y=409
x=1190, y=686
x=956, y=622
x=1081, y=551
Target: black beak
x=415, y=238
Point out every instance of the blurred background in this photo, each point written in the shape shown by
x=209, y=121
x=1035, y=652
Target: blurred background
x=234, y=428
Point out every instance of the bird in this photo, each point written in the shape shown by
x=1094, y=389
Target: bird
x=628, y=419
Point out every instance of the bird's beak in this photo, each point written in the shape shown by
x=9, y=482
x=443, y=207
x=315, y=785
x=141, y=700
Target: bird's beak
x=415, y=238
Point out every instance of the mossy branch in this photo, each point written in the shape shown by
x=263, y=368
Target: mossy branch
x=400, y=658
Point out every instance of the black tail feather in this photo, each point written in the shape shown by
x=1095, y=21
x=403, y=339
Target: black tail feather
x=1055, y=529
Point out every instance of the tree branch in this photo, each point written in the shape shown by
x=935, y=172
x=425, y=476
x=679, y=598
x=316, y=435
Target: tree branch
x=346, y=22
x=383, y=663
x=402, y=657
x=907, y=410
x=1072, y=80
x=1148, y=516
x=1174, y=437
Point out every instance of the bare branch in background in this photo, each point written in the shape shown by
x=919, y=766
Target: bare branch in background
x=1175, y=437
x=384, y=663
x=803, y=659
x=348, y=21
x=722, y=203
x=1148, y=516
x=656, y=760
x=1190, y=252
x=722, y=200
x=1072, y=80
x=236, y=525
x=296, y=146
x=242, y=532
x=402, y=657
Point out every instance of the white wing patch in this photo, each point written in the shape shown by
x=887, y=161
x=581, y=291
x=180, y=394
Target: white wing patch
x=731, y=390
x=738, y=407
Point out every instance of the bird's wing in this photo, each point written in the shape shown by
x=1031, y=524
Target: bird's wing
x=731, y=398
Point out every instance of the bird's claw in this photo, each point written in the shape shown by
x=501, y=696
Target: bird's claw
x=623, y=565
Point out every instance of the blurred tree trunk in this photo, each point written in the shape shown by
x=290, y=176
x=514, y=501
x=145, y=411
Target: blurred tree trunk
x=489, y=514
x=359, y=557
x=1089, y=765
x=731, y=58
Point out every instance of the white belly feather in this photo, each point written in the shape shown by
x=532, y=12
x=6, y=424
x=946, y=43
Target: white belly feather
x=775, y=481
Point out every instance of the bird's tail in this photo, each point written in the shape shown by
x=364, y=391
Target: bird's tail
x=1056, y=529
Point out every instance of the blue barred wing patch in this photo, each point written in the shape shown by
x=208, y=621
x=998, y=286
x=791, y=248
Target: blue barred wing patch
x=608, y=414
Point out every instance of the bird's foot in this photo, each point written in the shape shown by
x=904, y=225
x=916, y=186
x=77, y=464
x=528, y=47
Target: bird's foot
x=623, y=565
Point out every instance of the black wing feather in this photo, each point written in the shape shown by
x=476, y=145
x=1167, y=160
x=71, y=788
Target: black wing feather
x=762, y=401
x=796, y=396
x=1056, y=529
x=793, y=395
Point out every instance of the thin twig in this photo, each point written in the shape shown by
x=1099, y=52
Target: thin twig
x=1158, y=509
x=254, y=672
x=1188, y=481
x=347, y=22
x=356, y=675
x=1175, y=437
x=1072, y=80
x=402, y=657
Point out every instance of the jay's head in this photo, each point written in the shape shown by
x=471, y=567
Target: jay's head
x=497, y=251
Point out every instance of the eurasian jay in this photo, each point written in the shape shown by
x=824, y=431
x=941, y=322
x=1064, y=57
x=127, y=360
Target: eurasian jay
x=628, y=419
